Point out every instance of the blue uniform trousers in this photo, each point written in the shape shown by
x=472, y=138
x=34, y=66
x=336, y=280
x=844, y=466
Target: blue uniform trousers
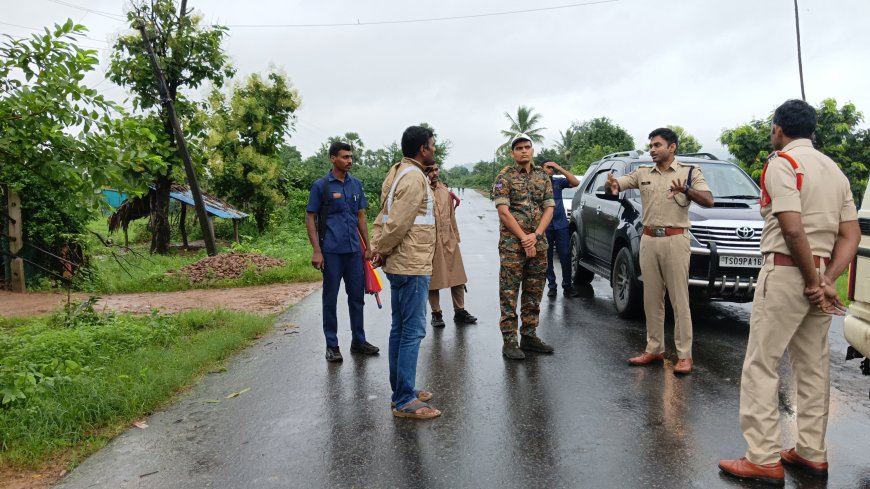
x=560, y=239
x=347, y=266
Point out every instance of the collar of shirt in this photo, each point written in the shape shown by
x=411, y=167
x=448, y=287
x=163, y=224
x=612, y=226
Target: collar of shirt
x=519, y=169
x=414, y=162
x=797, y=143
x=675, y=165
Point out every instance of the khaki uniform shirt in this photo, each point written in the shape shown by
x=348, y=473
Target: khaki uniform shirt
x=526, y=194
x=658, y=209
x=405, y=234
x=824, y=200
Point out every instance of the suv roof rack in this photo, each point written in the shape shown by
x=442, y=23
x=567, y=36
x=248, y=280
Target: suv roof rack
x=709, y=156
x=630, y=154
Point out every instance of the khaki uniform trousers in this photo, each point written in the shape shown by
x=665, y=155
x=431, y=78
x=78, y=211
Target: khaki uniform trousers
x=664, y=265
x=783, y=319
x=457, y=292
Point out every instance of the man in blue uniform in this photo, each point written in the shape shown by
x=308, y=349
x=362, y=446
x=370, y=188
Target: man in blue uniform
x=339, y=203
x=558, y=236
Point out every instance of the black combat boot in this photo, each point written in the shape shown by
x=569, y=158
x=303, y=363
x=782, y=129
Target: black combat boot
x=533, y=343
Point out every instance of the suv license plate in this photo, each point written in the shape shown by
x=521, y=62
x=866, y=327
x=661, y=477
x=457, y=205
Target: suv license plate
x=741, y=261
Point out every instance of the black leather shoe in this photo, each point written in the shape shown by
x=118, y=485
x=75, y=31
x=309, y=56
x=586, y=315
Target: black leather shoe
x=533, y=343
x=570, y=292
x=552, y=292
x=437, y=319
x=364, y=348
x=333, y=355
x=461, y=316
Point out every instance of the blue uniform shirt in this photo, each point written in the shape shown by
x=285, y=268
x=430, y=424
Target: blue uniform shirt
x=560, y=221
x=346, y=199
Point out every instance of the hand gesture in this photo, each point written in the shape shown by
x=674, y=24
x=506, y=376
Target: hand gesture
x=612, y=184
x=377, y=259
x=317, y=260
x=531, y=251
x=677, y=187
x=529, y=240
x=826, y=298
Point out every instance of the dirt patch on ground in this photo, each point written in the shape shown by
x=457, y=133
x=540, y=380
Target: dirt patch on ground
x=228, y=265
x=262, y=299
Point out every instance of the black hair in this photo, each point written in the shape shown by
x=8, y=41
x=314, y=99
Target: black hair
x=796, y=118
x=337, y=146
x=667, y=134
x=413, y=139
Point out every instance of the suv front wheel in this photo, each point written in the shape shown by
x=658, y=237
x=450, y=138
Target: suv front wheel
x=579, y=274
x=627, y=293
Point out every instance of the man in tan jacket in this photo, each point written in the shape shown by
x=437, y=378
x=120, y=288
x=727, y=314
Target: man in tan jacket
x=448, y=270
x=403, y=240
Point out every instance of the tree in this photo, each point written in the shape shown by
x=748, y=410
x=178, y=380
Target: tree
x=60, y=141
x=245, y=139
x=594, y=139
x=550, y=154
x=688, y=143
x=190, y=54
x=526, y=122
x=837, y=135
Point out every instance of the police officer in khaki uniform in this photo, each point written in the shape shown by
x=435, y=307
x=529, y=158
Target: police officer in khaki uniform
x=810, y=236
x=666, y=191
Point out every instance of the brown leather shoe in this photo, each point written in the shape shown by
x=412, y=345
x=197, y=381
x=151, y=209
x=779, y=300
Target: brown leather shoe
x=646, y=358
x=744, y=469
x=791, y=457
x=683, y=366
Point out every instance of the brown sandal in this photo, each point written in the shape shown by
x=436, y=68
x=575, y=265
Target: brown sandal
x=417, y=409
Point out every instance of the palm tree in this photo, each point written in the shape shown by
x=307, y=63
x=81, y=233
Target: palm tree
x=525, y=122
x=563, y=145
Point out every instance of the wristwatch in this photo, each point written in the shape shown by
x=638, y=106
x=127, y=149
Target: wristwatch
x=539, y=236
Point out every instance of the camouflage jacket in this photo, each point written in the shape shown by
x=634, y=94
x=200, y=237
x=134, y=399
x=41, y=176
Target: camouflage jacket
x=526, y=194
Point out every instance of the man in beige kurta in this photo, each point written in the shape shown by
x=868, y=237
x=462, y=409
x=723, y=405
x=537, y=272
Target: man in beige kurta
x=810, y=236
x=447, y=268
x=666, y=191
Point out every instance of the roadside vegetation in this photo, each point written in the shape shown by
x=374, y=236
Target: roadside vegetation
x=76, y=379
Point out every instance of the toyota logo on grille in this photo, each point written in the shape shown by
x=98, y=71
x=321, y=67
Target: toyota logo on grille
x=745, y=232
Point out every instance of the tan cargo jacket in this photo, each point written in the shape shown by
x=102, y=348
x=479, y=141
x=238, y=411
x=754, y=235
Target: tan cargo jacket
x=404, y=231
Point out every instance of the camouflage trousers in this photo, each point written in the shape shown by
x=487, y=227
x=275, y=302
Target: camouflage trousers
x=531, y=273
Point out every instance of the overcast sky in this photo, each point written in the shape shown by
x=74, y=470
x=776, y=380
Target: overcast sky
x=703, y=64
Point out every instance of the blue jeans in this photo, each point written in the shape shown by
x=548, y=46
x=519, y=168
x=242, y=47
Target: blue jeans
x=408, y=294
x=347, y=266
x=560, y=239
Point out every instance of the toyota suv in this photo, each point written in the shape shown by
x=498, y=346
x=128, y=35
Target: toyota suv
x=725, y=239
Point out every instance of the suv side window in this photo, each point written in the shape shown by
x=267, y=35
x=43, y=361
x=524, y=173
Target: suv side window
x=598, y=182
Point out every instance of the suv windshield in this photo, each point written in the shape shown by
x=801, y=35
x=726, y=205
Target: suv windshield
x=727, y=181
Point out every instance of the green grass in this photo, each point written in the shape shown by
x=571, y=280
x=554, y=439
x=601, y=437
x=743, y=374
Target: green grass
x=843, y=287
x=144, y=272
x=95, y=374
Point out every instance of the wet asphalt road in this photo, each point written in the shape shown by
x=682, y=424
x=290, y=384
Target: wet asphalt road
x=579, y=418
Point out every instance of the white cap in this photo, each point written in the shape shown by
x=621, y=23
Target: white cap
x=520, y=137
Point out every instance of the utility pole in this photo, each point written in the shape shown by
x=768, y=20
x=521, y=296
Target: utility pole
x=207, y=232
x=797, y=25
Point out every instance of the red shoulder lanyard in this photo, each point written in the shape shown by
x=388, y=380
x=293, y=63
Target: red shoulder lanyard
x=765, y=197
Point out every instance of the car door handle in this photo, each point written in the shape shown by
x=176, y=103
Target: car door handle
x=598, y=210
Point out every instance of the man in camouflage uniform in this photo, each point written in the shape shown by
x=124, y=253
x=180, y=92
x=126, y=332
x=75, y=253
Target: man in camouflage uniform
x=523, y=195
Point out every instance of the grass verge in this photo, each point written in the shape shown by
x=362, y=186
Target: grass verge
x=83, y=380
x=140, y=271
